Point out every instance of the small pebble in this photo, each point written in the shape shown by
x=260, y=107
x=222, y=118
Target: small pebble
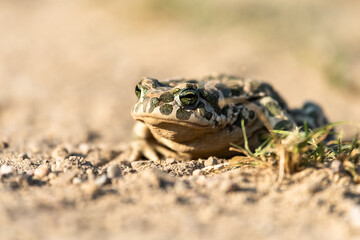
x=68, y=176
x=84, y=148
x=30, y=172
x=337, y=166
x=113, y=171
x=197, y=172
x=3, y=145
x=90, y=174
x=52, y=175
x=76, y=181
x=60, y=153
x=42, y=171
x=100, y=181
x=342, y=157
x=219, y=166
x=6, y=169
x=140, y=165
x=170, y=161
x=211, y=161
x=75, y=158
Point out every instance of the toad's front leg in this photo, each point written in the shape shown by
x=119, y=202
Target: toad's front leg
x=144, y=144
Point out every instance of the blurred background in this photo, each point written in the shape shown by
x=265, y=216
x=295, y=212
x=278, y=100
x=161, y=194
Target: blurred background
x=68, y=68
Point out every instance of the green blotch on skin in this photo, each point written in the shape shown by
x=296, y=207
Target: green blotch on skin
x=212, y=99
x=273, y=109
x=238, y=120
x=314, y=113
x=268, y=90
x=225, y=110
x=166, y=97
x=208, y=115
x=182, y=114
x=251, y=114
x=154, y=102
x=237, y=91
x=203, y=112
x=166, y=109
x=224, y=89
x=283, y=125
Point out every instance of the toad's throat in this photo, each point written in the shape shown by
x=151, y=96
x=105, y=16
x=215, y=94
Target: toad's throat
x=158, y=121
x=175, y=131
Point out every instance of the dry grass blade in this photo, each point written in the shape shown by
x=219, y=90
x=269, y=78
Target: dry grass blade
x=297, y=149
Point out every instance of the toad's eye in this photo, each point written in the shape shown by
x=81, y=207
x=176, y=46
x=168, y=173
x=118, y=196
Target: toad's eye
x=137, y=91
x=188, y=96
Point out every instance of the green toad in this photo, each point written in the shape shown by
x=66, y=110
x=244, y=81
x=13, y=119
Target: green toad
x=189, y=119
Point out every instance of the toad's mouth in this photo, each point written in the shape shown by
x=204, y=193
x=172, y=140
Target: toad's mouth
x=155, y=121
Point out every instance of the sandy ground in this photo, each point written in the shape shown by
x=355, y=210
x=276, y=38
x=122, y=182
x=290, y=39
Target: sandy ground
x=67, y=76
